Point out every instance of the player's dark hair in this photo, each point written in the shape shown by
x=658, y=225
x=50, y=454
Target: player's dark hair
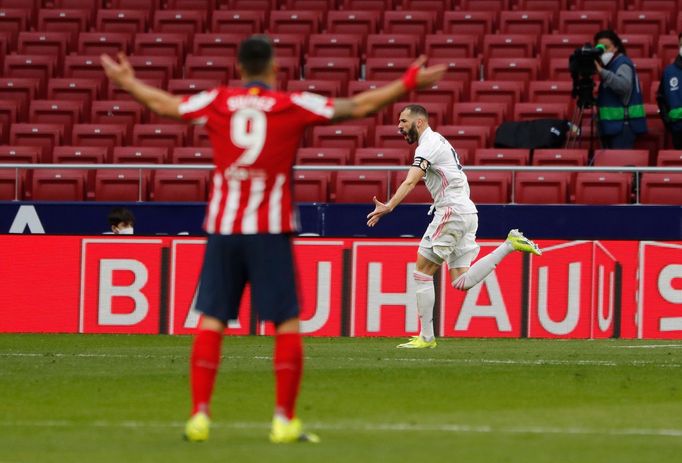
x=255, y=53
x=613, y=37
x=121, y=214
x=417, y=110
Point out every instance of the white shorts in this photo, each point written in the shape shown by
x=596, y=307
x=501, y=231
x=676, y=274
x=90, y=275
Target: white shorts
x=451, y=238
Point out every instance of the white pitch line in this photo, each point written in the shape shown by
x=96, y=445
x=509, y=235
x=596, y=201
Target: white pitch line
x=453, y=428
x=653, y=346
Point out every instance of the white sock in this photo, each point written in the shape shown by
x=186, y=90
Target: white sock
x=426, y=298
x=482, y=268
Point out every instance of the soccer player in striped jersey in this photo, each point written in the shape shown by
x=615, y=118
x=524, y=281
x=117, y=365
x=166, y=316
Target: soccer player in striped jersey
x=451, y=236
x=255, y=132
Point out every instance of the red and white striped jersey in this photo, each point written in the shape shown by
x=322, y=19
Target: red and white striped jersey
x=255, y=133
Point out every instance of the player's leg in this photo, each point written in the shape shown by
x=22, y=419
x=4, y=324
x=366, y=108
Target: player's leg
x=275, y=298
x=221, y=285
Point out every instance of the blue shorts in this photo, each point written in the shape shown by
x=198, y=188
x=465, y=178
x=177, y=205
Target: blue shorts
x=265, y=261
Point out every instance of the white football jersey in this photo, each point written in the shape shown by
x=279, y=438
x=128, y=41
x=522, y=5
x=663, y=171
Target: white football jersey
x=445, y=178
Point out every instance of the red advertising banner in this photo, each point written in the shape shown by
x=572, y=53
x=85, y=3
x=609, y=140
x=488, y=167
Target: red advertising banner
x=660, y=290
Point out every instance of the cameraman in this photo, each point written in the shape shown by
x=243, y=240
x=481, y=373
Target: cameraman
x=619, y=98
x=669, y=98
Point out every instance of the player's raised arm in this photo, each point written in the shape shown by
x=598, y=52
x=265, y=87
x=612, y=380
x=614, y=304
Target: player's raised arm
x=371, y=101
x=414, y=175
x=122, y=74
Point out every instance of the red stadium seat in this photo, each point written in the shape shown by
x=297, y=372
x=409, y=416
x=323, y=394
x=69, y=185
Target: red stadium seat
x=79, y=154
x=288, y=44
x=210, y=67
x=532, y=111
x=387, y=136
x=378, y=5
x=508, y=46
x=358, y=86
x=532, y=23
x=469, y=137
x=603, y=188
x=200, y=5
x=180, y=185
x=108, y=135
x=128, y=21
x=11, y=185
x=436, y=110
x=294, y=22
x=85, y=67
x=146, y=5
x=550, y=92
x=161, y=44
x=263, y=5
x=317, y=5
x=13, y=21
x=489, y=187
x=127, y=113
x=600, y=5
x=340, y=136
x=543, y=5
x=670, y=7
x=447, y=92
x=417, y=23
x=96, y=43
x=117, y=93
x=559, y=157
x=289, y=67
x=584, y=22
x=22, y=91
x=192, y=155
x=638, y=158
x=558, y=70
x=334, y=45
x=216, y=44
x=520, y=69
x=648, y=70
x=668, y=48
x=43, y=43
x=58, y=185
x=669, y=158
x=484, y=5
x=541, y=187
x=188, y=22
x=166, y=135
x=155, y=67
x=69, y=21
x=652, y=23
x=495, y=91
x=139, y=155
x=353, y=22
x=62, y=112
x=199, y=136
x=8, y=115
x=661, y=188
x=45, y=136
x=191, y=86
x=450, y=46
x=386, y=68
x=120, y=185
x=392, y=45
x=419, y=195
x=323, y=156
x=20, y=154
x=472, y=23
x=312, y=186
x=83, y=90
x=342, y=70
x=560, y=46
x=382, y=156
x=361, y=186
x=38, y=67
x=637, y=45
x=327, y=88
x=244, y=22
x=462, y=70
x=501, y=156
x=484, y=113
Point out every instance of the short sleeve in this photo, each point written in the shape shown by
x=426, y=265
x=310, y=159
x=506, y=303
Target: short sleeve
x=313, y=108
x=197, y=108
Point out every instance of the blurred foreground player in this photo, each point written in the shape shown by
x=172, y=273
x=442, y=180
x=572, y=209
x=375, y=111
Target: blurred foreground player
x=255, y=132
x=451, y=236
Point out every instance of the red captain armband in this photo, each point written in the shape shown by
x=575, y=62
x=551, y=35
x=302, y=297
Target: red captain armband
x=410, y=78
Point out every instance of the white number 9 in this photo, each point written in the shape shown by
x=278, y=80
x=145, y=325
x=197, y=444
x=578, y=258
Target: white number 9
x=247, y=130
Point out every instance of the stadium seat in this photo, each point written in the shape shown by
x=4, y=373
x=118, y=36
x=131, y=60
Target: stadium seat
x=161, y=44
x=386, y=68
x=80, y=154
x=11, y=185
x=340, y=136
x=382, y=156
x=200, y=5
x=334, y=45
x=23, y=91
x=670, y=7
x=161, y=68
x=603, y=188
x=532, y=111
x=58, y=185
x=639, y=158
x=180, y=185
x=532, y=23
x=84, y=67
x=294, y=22
x=436, y=111
x=245, y=22
x=62, y=112
x=447, y=92
x=541, y=187
x=543, y=91
x=374, y=5
x=669, y=158
x=118, y=94
x=216, y=68
x=462, y=70
x=668, y=48
x=43, y=43
x=191, y=86
x=127, y=21
x=83, y=90
x=38, y=67
x=328, y=88
x=139, y=155
x=96, y=43
x=501, y=156
x=262, y=5
x=484, y=5
x=508, y=46
x=419, y=194
x=637, y=45
x=495, y=91
x=450, y=46
x=558, y=70
x=121, y=185
x=316, y=5
x=146, y=5
x=353, y=22
x=341, y=70
x=46, y=136
x=312, y=186
x=387, y=136
x=192, y=155
x=436, y=6
x=70, y=21
x=216, y=44
x=361, y=186
x=584, y=22
x=199, y=136
x=108, y=135
x=392, y=45
x=489, y=187
x=560, y=46
x=471, y=23
x=188, y=22
x=417, y=23
x=469, y=137
x=648, y=70
x=289, y=67
x=661, y=188
x=8, y=115
x=288, y=44
x=542, y=5
x=560, y=157
x=13, y=21
x=20, y=154
x=163, y=135
x=600, y=5
x=519, y=69
x=323, y=156
x=653, y=23
x=484, y=113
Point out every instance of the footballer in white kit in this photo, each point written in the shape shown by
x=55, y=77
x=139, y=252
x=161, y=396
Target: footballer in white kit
x=451, y=235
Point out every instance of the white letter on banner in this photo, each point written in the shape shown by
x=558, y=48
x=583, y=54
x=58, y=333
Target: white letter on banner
x=604, y=322
x=376, y=299
x=497, y=308
x=323, y=304
x=192, y=320
x=107, y=291
x=670, y=294
x=569, y=323
x=26, y=217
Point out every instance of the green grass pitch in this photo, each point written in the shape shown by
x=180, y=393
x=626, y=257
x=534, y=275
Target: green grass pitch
x=70, y=398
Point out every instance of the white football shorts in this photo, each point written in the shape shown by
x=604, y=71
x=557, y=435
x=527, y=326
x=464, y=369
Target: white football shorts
x=451, y=238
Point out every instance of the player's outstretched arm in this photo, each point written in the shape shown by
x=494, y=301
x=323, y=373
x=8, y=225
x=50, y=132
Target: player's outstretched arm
x=371, y=101
x=122, y=74
x=414, y=175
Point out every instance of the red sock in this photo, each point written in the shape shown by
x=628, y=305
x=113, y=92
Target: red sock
x=288, y=369
x=203, y=368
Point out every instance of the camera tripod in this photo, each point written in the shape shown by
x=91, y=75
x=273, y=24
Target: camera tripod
x=574, y=136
